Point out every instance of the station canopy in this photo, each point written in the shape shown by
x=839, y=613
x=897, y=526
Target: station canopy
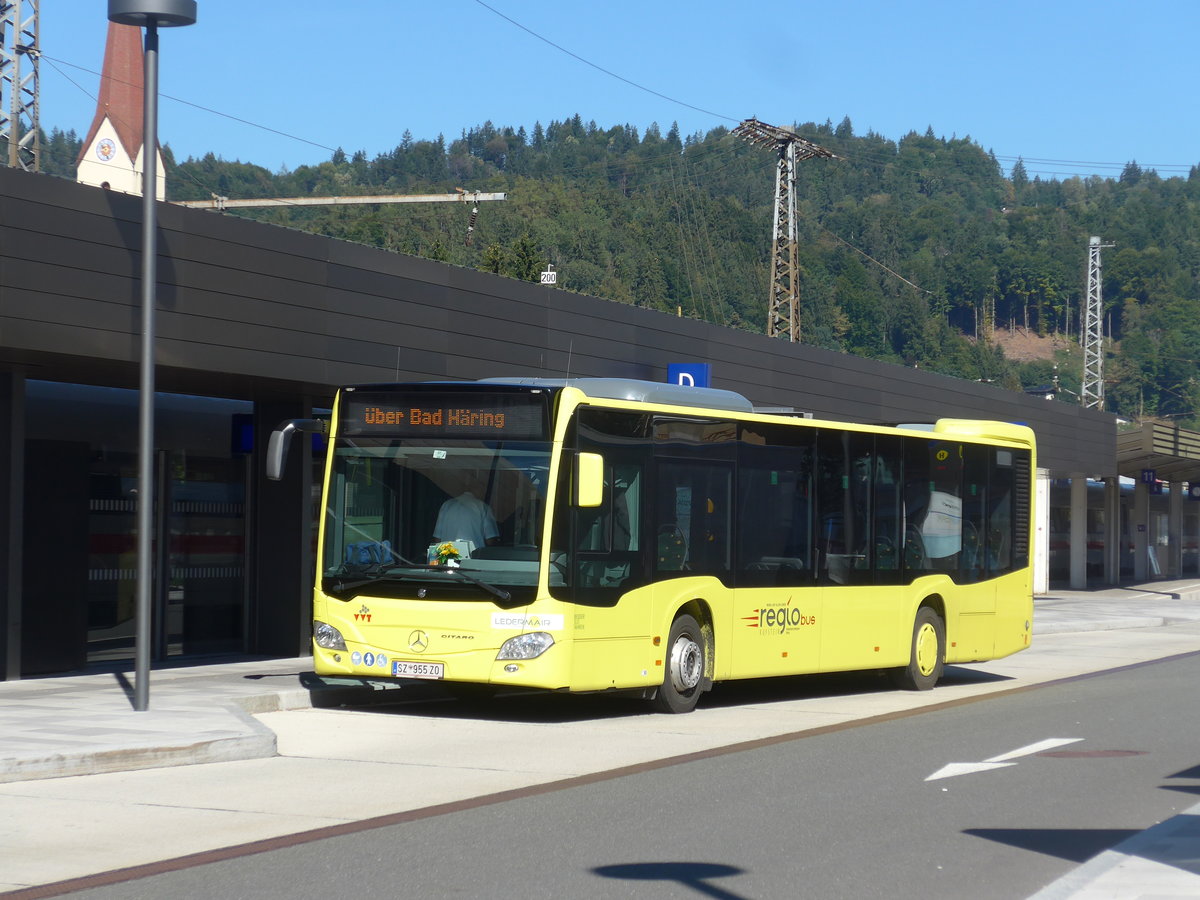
x=1173, y=453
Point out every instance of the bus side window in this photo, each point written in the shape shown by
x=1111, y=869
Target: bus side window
x=693, y=517
x=972, y=560
x=774, y=496
x=1000, y=525
x=887, y=540
x=844, y=493
x=916, y=504
x=941, y=527
x=603, y=548
x=608, y=535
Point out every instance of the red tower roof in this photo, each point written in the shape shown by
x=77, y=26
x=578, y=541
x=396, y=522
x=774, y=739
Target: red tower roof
x=121, y=89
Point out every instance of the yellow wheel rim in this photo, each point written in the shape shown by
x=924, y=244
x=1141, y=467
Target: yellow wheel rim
x=927, y=649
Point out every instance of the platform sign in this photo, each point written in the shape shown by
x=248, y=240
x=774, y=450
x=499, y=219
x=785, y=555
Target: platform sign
x=690, y=374
x=1193, y=490
x=1149, y=476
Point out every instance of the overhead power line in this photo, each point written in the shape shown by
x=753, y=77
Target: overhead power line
x=874, y=260
x=207, y=109
x=598, y=68
x=1181, y=168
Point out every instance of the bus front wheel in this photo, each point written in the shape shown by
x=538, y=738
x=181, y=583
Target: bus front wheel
x=927, y=653
x=684, y=666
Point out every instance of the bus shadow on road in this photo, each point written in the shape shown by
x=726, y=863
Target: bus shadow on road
x=836, y=684
x=961, y=675
x=478, y=702
x=526, y=707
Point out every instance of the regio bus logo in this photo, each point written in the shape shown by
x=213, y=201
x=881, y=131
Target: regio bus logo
x=778, y=619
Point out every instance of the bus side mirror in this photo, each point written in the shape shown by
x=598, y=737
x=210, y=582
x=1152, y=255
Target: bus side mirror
x=589, y=479
x=281, y=439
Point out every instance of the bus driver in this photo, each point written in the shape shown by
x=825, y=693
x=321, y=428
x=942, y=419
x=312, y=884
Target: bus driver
x=467, y=518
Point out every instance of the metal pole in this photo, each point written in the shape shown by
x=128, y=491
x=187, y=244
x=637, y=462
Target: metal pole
x=145, y=509
x=14, y=77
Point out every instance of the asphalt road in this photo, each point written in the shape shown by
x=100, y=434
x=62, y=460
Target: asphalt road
x=1024, y=788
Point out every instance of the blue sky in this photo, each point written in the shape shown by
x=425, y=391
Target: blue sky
x=1082, y=86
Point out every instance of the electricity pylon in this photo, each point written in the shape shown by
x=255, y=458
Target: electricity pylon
x=1092, y=391
x=783, y=310
x=19, y=57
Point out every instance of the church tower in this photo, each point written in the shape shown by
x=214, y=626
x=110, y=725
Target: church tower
x=112, y=153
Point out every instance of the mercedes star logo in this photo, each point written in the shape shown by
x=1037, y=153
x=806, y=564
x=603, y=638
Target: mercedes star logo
x=418, y=641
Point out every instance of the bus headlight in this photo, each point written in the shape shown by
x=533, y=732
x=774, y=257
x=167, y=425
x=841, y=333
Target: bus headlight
x=526, y=646
x=328, y=637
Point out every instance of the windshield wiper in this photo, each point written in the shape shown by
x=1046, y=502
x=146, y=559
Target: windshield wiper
x=490, y=588
x=348, y=586
x=373, y=578
x=499, y=593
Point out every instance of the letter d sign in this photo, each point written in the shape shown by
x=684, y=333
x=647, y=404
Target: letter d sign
x=689, y=374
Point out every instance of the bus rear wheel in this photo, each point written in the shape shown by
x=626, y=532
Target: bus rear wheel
x=927, y=655
x=684, y=667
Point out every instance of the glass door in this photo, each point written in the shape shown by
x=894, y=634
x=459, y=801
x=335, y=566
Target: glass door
x=206, y=554
x=112, y=557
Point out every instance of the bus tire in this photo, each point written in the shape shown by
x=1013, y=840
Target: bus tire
x=927, y=653
x=683, y=668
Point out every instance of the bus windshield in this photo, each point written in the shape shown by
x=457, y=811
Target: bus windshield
x=398, y=508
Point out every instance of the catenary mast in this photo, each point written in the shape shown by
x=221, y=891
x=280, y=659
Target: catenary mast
x=1092, y=390
x=783, y=312
x=19, y=55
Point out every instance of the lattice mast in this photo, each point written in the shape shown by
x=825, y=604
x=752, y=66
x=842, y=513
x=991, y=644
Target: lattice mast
x=19, y=54
x=1092, y=392
x=783, y=309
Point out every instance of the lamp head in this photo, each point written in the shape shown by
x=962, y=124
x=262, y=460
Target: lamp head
x=159, y=13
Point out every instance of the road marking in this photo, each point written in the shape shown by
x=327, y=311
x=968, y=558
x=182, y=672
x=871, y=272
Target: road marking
x=950, y=770
x=1047, y=744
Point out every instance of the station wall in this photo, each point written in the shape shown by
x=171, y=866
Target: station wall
x=254, y=311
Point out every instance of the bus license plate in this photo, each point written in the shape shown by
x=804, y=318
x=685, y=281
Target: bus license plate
x=403, y=669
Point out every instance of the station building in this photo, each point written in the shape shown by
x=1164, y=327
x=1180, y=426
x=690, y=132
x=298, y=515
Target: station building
x=258, y=323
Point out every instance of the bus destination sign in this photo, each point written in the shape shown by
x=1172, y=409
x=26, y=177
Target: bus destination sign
x=507, y=417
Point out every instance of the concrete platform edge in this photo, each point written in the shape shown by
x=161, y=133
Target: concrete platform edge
x=257, y=742
x=1114, y=873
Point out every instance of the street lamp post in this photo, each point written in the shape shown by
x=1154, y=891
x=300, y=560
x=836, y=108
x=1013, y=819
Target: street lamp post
x=151, y=15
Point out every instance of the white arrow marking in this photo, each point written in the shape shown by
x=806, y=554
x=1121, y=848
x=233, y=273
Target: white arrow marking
x=999, y=762
x=1047, y=744
x=952, y=769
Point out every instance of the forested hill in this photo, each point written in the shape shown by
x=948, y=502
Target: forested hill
x=918, y=251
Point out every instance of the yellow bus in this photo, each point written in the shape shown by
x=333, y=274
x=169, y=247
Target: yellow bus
x=599, y=534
